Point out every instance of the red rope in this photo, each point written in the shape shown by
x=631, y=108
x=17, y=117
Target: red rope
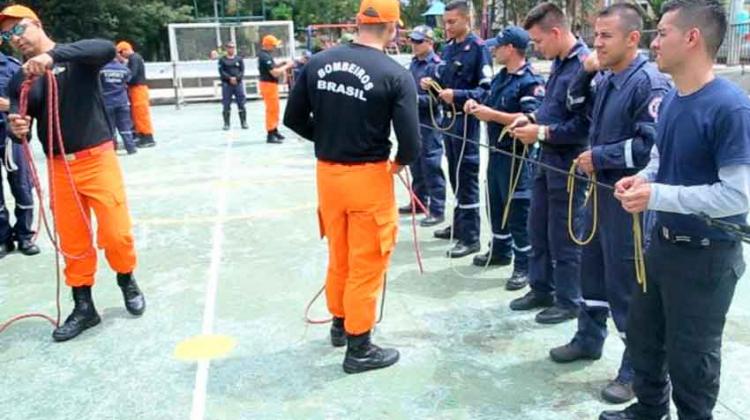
x=415, y=201
x=54, y=137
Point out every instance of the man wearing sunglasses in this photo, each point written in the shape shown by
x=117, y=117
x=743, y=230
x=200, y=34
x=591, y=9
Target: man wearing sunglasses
x=88, y=176
x=429, y=181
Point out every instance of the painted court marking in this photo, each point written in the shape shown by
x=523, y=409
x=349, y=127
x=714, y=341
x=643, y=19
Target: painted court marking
x=209, y=310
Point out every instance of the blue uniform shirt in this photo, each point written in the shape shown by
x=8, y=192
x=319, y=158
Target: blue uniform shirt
x=466, y=69
x=699, y=134
x=625, y=108
x=114, y=77
x=421, y=68
x=521, y=91
x=8, y=67
x=566, y=127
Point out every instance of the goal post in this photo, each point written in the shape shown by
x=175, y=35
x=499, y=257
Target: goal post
x=195, y=73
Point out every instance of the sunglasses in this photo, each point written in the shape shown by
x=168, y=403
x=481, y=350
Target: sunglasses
x=416, y=41
x=16, y=30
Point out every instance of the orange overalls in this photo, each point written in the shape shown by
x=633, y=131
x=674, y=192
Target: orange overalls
x=357, y=213
x=270, y=93
x=98, y=179
x=140, y=109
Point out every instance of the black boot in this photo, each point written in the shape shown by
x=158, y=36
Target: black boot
x=556, y=315
x=134, y=301
x=444, y=233
x=146, y=140
x=226, y=116
x=270, y=138
x=362, y=355
x=573, y=352
x=338, y=335
x=494, y=260
x=84, y=316
x=6, y=248
x=634, y=412
x=243, y=119
x=463, y=249
x=518, y=280
x=27, y=247
x=277, y=134
x=531, y=300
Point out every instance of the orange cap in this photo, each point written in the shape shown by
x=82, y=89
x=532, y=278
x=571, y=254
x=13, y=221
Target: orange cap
x=270, y=41
x=17, y=11
x=379, y=11
x=123, y=46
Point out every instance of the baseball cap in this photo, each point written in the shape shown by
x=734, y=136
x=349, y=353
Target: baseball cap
x=270, y=41
x=123, y=46
x=17, y=11
x=422, y=32
x=513, y=35
x=379, y=11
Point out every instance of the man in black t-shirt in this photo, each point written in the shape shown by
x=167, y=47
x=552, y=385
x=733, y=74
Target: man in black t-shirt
x=345, y=101
x=270, y=73
x=140, y=106
x=87, y=175
x=232, y=70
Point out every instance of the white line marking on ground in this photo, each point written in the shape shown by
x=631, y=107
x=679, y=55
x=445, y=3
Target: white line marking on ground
x=209, y=310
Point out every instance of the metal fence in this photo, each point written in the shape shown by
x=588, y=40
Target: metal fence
x=736, y=47
x=734, y=51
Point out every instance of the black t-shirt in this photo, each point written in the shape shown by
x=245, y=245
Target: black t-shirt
x=265, y=65
x=137, y=70
x=345, y=101
x=231, y=67
x=82, y=113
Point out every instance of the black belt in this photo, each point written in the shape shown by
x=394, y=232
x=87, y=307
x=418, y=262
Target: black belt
x=692, y=241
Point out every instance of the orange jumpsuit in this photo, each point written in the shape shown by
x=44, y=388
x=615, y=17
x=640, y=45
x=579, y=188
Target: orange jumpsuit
x=357, y=213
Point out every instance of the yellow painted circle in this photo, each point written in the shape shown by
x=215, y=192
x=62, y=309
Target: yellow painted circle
x=204, y=347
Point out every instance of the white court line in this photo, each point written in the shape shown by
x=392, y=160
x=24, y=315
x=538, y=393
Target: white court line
x=209, y=310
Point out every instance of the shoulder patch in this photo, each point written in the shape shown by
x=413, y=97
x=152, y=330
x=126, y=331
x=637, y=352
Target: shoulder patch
x=653, y=107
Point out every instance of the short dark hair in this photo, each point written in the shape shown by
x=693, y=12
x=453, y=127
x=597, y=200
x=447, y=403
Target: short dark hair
x=378, y=29
x=630, y=17
x=546, y=16
x=462, y=6
x=707, y=15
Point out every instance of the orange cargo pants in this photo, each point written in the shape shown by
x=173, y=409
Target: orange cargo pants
x=140, y=109
x=270, y=93
x=357, y=213
x=99, y=184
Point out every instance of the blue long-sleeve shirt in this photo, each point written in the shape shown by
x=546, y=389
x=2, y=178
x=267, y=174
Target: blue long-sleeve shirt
x=467, y=69
x=567, y=129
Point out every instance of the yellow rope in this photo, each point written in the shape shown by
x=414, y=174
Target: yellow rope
x=437, y=88
x=640, y=261
x=515, y=177
x=590, y=193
